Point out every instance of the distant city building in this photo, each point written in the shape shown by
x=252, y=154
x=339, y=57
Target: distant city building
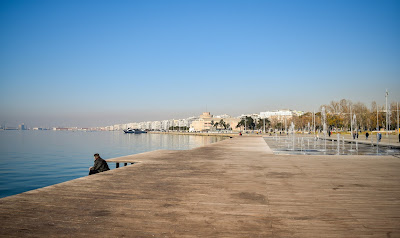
x=203, y=123
x=255, y=116
x=22, y=127
x=206, y=122
x=280, y=114
x=156, y=125
x=223, y=116
x=232, y=123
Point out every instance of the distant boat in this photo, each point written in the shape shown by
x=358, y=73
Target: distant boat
x=134, y=131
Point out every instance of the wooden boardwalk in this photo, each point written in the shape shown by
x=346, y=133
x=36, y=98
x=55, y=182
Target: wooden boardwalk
x=234, y=188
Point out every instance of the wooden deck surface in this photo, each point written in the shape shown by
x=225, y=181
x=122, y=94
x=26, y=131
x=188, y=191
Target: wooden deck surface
x=234, y=188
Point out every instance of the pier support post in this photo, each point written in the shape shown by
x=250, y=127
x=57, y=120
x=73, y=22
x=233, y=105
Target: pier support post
x=116, y=165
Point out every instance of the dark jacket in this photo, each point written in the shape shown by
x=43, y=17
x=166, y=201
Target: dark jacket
x=100, y=165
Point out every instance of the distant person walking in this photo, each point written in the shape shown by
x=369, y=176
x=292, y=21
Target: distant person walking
x=99, y=166
x=366, y=135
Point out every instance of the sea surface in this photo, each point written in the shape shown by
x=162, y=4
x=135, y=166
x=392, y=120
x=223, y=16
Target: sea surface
x=35, y=159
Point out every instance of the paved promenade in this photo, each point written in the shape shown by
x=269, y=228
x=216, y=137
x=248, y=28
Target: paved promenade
x=234, y=188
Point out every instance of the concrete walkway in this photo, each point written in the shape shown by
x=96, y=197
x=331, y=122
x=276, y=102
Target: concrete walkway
x=234, y=188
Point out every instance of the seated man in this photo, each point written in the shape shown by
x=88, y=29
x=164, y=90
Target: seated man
x=100, y=165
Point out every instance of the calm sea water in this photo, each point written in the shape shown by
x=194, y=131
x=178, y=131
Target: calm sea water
x=35, y=159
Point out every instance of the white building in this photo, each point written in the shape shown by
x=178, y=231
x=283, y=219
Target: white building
x=156, y=125
x=281, y=114
x=165, y=124
x=254, y=116
x=223, y=116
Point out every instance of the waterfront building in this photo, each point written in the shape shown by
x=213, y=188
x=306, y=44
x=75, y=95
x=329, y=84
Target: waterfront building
x=22, y=127
x=255, y=116
x=206, y=122
x=232, y=123
x=203, y=123
x=281, y=114
x=156, y=125
x=223, y=116
x=148, y=125
x=189, y=120
x=165, y=125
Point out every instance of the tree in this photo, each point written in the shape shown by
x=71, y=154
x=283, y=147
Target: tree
x=240, y=124
x=247, y=123
x=216, y=125
x=222, y=123
x=260, y=123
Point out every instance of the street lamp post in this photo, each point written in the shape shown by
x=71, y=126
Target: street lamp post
x=377, y=120
x=398, y=130
x=387, y=128
x=313, y=121
x=264, y=124
x=285, y=126
x=351, y=124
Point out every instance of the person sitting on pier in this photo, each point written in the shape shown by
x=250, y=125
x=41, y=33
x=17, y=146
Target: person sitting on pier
x=100, y=165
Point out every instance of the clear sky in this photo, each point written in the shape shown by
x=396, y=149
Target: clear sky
x=94, y=63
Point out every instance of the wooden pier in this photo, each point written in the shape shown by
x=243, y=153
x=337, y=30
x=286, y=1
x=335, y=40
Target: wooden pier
x=233, y=188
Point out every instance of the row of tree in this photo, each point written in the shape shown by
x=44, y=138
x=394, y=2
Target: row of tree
x=221, y=123
x=249, y=123
x=339, y=115
x=179, y=128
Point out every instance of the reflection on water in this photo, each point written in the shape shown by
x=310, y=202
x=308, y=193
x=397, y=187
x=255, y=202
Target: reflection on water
x=34, y=159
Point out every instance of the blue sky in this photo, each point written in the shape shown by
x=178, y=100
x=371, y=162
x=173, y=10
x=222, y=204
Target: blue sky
x=93, y=63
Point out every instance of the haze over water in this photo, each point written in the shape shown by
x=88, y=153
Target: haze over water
x=35, y=159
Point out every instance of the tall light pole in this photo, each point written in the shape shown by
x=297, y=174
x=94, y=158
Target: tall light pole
x=387, y=128
x=377, y=120
x=398, y=131
x=313, y=121
x=264, y=124
x=351, y=124
x=285, y=126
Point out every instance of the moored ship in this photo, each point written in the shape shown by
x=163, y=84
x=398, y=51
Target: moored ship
x=134, y=131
